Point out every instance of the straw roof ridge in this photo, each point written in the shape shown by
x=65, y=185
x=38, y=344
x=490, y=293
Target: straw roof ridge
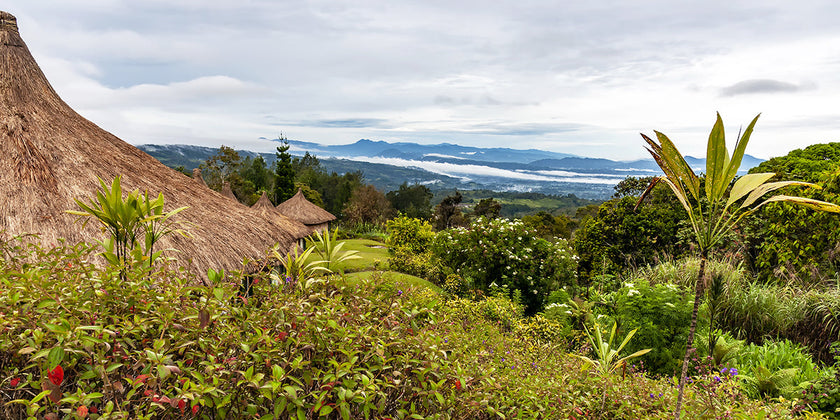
x=50, y=155
x=304, y=211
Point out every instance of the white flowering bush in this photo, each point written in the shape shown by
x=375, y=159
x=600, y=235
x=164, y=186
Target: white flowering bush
x=509, y=254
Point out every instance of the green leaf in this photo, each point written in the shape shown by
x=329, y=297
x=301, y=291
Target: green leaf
x=772, y=186
x=678, y=165
x=738, y=152
x=716, y=161
x=747, y=184
x=802, y=201
x=55, y=357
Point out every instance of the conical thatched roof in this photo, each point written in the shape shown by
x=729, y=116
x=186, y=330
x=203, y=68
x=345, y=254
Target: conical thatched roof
x=50, y=155
x=267, y=210
x=304, y=211
x=227, y=192
x=197, y=176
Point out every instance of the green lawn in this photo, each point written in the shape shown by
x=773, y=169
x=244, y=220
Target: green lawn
x=372, y=253
x=374, y=259
x=393, y=278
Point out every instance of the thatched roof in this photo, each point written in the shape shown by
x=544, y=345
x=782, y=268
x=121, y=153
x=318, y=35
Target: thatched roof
x=267, y=210
x=197, y=176
x=50, y=155
x=227, y=192
x=304, y=211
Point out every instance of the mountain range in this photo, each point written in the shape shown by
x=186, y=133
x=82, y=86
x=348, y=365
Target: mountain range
x=451, y=166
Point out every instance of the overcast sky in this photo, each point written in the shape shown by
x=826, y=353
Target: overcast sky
x=580, y=77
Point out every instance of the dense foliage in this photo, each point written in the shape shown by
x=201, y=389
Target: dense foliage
x=622, y=236
x=661, y=313
x=506, y=253
x=104, y=348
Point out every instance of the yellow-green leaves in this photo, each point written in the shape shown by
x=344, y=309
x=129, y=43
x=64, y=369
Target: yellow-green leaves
x=717, y=159
x=762, y=189
x=802, y=201
x=747, y=184
x=738, y=152
x=720, y=168
x=608, y=356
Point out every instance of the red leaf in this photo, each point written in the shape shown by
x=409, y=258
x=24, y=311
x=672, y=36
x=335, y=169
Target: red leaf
x=82, y=411
x=182, y=404
x=56, y=375
x=14, y=382
x=195, y=409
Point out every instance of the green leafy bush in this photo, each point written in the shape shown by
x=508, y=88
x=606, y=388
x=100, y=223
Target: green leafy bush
x=775, y=368
x=409, y=233
x=506, y=253
x=622, y=236
x=662, y=314
x=408, y=241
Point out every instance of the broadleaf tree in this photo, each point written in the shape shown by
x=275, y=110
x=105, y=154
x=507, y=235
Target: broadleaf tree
x=711, y=211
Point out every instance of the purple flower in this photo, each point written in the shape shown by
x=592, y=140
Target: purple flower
x=717, y=378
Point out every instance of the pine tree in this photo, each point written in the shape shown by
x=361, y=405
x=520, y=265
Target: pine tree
x=284, y=174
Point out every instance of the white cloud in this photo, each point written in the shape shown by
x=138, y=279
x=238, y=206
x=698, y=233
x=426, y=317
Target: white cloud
x=579, y=77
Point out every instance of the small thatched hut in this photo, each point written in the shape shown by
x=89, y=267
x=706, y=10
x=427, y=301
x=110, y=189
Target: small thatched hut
x=197, y=176
x=306, y=212
x=264, y=207
x=50, y=155
x=227, y=192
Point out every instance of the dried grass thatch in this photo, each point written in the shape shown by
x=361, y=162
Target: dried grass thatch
x=50, y=155
x=304, y=211
x=267, y=210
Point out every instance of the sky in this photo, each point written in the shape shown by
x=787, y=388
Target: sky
x=582, y=77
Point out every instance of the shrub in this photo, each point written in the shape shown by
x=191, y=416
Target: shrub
x=824, y=393
x=662, y=314
x=508, y=254
x=160, y=348
x=423, y=265
x=409, y=233
x=776, y=368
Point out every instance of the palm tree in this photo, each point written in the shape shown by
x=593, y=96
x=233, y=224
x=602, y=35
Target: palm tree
x=712, y=210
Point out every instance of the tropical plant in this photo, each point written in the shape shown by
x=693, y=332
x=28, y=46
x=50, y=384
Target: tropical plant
x=607, y=359
x=330, y=250
x=125, y=220
x=714, y=301
x=776, y=368
x=710, y=209
x=296, y=268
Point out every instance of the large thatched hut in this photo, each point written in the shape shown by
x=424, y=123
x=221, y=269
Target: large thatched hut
x=306, y=212
x=50, y=155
